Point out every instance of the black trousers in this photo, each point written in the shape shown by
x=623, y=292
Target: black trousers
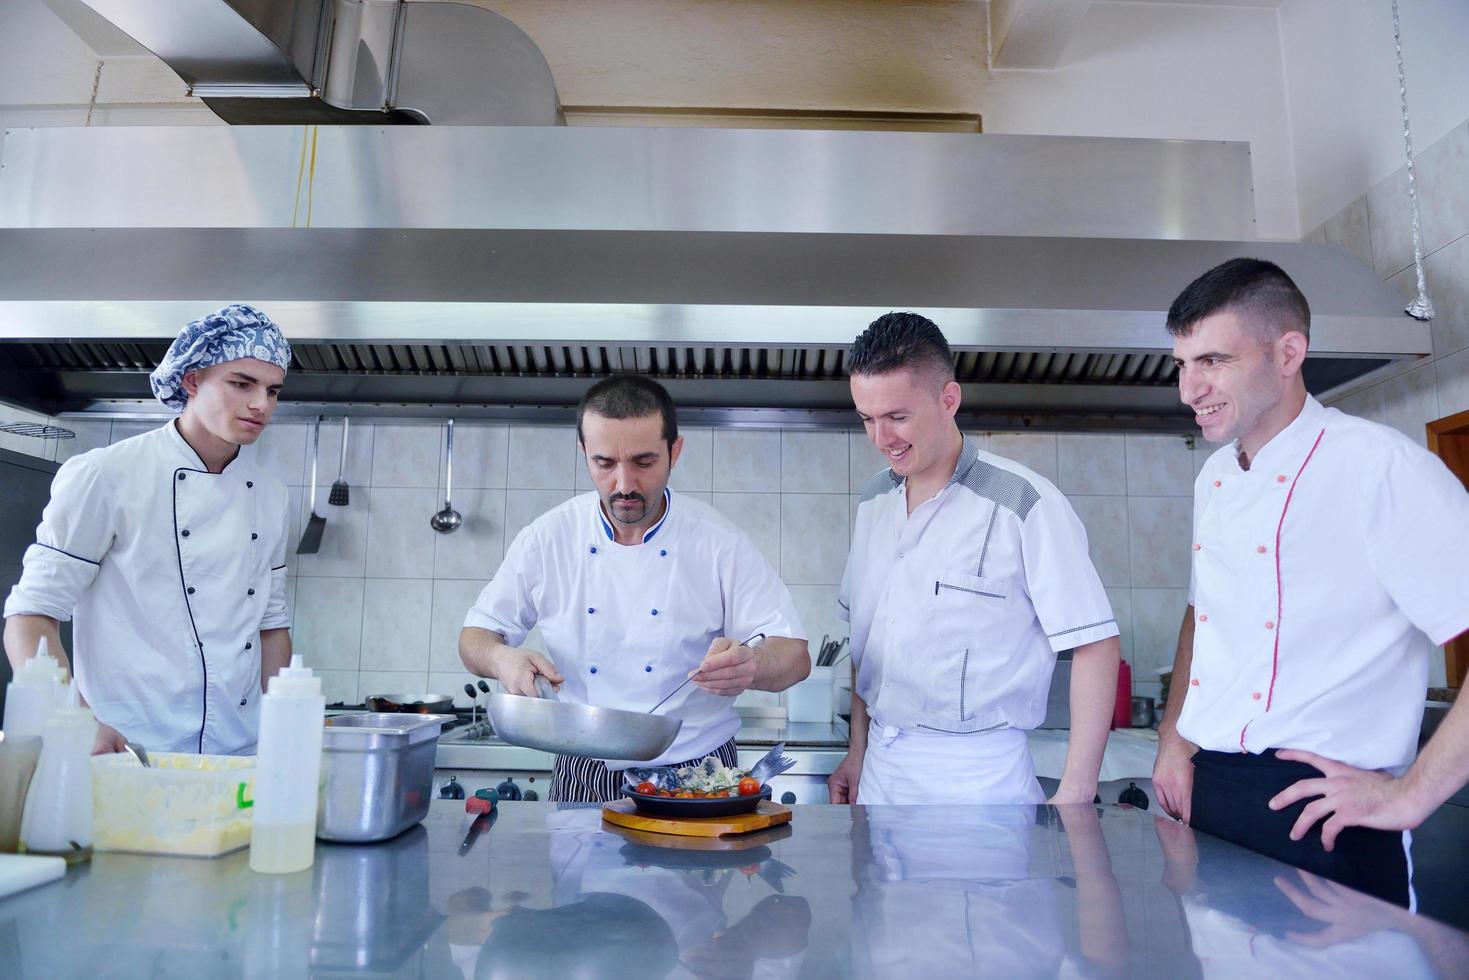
x=1231, y=797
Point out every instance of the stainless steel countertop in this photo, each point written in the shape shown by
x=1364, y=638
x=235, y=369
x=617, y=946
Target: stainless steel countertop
x=843, y=891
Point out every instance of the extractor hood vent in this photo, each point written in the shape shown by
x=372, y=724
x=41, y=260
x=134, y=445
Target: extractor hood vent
x=486, y=271
x=583, y=361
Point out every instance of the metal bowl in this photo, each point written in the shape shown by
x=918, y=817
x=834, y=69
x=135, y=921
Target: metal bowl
x=566, y=728
x=377, y=772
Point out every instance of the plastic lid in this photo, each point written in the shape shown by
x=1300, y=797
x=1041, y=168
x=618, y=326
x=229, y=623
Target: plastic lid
x=42, y=668
x=295, y=681
x=72, y=711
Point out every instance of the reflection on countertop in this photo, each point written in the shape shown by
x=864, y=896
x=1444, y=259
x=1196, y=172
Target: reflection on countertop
x=547, y=890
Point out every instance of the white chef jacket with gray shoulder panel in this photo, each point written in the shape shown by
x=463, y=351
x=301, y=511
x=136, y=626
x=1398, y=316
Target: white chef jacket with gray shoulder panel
x=625, y=624
x=958, y=610
x=169, y=573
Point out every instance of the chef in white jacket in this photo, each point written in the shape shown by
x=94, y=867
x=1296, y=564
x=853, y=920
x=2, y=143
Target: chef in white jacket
x=636, y=589
x=167, y=551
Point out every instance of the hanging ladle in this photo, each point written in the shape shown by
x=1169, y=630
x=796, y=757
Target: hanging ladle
x=447, y=521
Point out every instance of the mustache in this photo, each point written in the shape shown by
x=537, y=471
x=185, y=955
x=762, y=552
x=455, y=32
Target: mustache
x=628, y=496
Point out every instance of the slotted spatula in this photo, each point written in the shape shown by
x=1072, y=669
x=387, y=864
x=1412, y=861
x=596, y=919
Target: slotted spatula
x=338, y=496
x=316, y=524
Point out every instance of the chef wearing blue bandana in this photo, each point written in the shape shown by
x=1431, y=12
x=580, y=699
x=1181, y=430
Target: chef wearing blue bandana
x=167, y=551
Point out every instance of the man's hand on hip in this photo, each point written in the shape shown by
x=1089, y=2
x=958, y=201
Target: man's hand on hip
x=1348, y=796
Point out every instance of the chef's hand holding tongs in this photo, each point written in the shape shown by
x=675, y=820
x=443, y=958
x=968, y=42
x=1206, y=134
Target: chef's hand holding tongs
x=729, y=668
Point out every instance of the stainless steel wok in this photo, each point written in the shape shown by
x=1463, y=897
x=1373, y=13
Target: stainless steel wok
x=580, y=729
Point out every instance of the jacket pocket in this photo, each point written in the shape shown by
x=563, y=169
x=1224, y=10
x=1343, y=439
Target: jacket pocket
x=958, y=585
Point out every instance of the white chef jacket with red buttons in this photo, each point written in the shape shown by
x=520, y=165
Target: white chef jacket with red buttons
x=625, y=624
x=168, y=573
x=1323, y=576
x=958, y=609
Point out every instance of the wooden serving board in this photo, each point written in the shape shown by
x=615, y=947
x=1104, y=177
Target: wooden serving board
x=735, y=843
x=624, y=813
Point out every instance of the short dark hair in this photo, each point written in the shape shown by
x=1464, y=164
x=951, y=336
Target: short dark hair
x=629, y=396
x=1257, y=290
x=901, y=340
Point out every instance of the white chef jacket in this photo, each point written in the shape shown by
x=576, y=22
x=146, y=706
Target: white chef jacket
x=625, y=624
x=170, y=573
x=958, y=610
x=1322, y=578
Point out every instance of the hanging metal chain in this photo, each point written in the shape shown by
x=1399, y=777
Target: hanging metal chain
x=96, y=85
x=1422, y=307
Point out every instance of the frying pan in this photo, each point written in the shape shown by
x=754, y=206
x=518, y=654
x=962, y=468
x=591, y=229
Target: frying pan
x=420, y=704
x=580, y=729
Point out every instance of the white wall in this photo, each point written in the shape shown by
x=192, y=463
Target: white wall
x=1164, y=71
x=1342, y=90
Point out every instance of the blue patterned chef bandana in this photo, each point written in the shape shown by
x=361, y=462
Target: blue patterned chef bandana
x=230, y=334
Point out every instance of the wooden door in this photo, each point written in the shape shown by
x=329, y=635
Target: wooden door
x=1449, y=439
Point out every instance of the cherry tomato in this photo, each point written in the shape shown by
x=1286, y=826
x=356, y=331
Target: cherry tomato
x=684, y=794
x=664, y=792
x=749, y=786
x=646, y=788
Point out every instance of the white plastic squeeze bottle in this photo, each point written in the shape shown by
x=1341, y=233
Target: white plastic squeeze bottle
x=58, y=808
x=288, y=771
x=38, y=689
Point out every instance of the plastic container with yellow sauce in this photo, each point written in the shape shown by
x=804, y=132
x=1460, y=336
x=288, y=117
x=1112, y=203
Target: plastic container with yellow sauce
x=194, y=805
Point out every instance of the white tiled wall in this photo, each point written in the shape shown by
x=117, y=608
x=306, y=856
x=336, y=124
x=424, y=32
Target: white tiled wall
x=379, y=607
x=1377, y=229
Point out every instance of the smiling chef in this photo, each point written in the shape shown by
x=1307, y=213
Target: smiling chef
x=635, y=589
x=1327, y=563
x=168, y=553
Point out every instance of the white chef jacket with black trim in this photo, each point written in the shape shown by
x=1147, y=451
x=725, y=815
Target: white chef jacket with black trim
x=959, y=609
x=1323, y=576
x=169, y=573
x=625, y=624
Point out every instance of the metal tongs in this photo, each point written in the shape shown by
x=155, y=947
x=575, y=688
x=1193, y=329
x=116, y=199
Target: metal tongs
x=752, y=643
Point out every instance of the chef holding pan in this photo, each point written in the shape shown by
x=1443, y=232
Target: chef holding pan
x=168, y=550
x=635, y=590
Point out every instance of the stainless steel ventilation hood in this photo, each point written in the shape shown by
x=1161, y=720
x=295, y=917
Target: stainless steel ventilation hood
x=344, y=62
x=496, y=272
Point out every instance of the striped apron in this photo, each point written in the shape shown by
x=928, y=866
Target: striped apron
x=577, y=779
